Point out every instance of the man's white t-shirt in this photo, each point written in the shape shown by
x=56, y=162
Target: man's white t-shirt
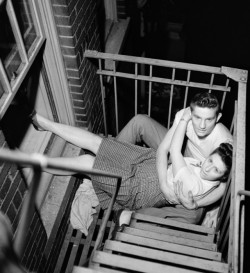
x=202, y=148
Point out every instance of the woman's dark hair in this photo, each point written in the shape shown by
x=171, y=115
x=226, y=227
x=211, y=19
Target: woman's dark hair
x=207, y=100
x=225, y=151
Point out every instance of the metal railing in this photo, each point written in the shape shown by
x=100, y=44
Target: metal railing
x=40, y=163
x=229, y=84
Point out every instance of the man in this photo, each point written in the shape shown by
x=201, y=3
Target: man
x=204, y=134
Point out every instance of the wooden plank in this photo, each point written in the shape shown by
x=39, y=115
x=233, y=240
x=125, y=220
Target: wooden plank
x=106, y=270
x=172, y=223
x=73, y=252
x=192, y=251
x=122, y=262
x=177, y=233
x=64, y=249
x=88, y=241
x=173, y=258
x=171, y=239
x=78, y=269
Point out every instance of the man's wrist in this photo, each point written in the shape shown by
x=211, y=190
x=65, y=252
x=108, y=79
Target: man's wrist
x=184, y=120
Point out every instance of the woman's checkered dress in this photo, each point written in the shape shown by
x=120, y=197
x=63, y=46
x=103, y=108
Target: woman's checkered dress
x=137, y=166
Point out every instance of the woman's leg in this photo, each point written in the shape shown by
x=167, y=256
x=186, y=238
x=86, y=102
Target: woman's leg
x=77, y=136
x=82, y=162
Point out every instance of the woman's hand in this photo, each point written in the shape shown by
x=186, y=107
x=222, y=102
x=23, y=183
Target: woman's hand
x=187, y=201
x=187, y=114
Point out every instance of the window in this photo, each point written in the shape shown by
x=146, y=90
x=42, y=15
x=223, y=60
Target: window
x=20, y=41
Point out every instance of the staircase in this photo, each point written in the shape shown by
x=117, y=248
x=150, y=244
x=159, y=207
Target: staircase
x=151, y=244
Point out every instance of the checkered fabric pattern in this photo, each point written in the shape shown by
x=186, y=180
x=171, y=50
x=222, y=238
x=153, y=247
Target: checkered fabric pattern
x=137, y=166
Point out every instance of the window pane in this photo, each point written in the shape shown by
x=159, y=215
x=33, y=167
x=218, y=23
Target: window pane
x=25, y=21
x=8, y=48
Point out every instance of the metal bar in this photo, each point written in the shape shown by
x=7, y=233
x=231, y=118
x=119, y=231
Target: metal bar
x=224, y=95
x=150, y=90
x=171, y=98
x=136, y=88
x=211, y=81
x=103, y=99
x=232, y=198
x=238, y=253
x=154, y=62
x=116, y=103
x=161, y=80
x=240, y=131
x=36, y=160
x=186, y=89
x=105, y=220
x=27, y=211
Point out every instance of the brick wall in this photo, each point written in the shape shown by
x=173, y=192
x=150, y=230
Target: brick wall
x=77, y=27
x=12, y=192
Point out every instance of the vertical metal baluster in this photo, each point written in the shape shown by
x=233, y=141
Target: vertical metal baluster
x=150, y=90
x=211, y=82
x=171, y=98
x=116, y=104
x=186, y=89
x=224, y=94
x=136, y=88
x=103, y=99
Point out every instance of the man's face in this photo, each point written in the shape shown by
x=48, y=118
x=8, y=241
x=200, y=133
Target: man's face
x=204, y=120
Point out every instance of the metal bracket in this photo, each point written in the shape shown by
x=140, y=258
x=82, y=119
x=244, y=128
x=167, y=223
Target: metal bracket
x=238, y=75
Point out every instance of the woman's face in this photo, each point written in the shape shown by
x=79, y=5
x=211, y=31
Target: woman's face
x=213, y=168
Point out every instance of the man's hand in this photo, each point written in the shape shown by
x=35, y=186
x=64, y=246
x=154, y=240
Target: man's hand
x=187, y=114
x=187, y=201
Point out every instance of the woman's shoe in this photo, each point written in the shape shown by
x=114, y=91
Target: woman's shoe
x=34, y=121
x=121, y=219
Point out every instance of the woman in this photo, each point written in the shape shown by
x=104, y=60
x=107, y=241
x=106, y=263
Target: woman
x=140, y=187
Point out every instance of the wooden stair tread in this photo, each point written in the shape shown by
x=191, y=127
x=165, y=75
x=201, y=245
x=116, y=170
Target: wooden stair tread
x=173, y=223
x=152, y=243
x=128, y=263
x=174, y=232
x=172, y=258
x=170, y=238
x=79, y=269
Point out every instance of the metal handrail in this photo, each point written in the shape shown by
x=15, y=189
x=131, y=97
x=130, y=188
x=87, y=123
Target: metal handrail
x=39, y=163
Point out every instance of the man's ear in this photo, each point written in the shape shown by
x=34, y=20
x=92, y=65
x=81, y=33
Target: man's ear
x=219, y=116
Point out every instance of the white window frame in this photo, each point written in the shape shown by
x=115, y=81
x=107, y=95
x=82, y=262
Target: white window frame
x=11, y=87
x=35, y=141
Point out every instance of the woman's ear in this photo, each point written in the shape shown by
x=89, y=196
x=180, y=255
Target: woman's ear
x=218, y=117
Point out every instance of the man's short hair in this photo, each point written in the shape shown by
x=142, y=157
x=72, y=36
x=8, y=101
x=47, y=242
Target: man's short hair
x=205, y=100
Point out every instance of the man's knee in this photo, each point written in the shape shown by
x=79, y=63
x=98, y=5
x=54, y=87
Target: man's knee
x=141, y=122
x=140, y=119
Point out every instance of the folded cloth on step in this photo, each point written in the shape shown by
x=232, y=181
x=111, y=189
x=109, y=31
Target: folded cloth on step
x=82, y=207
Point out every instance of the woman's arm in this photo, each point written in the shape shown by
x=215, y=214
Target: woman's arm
x=189, y=202
x=177, y=141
